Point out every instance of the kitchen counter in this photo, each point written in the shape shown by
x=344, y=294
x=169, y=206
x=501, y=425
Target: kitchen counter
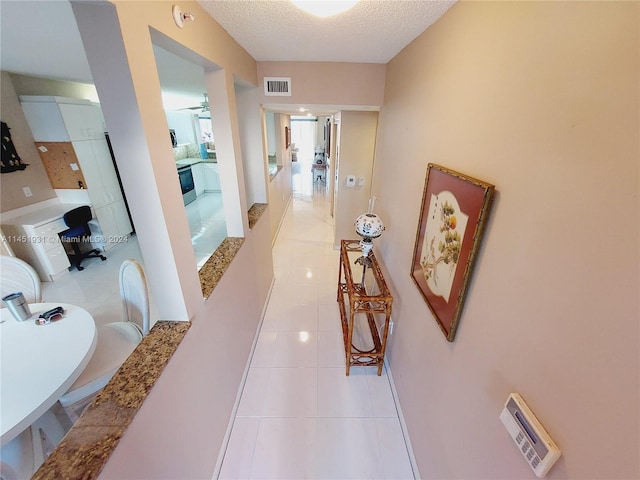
x=86, y=448
x=184, y=162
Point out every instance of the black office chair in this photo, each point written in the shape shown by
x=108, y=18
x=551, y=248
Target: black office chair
x=78, y=222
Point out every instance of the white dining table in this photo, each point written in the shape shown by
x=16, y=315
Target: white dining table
x=38, y=363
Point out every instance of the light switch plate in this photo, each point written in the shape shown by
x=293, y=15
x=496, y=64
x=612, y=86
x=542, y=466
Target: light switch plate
x=351, y=181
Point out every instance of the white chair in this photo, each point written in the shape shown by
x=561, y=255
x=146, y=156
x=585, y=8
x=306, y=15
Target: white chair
x=116, y=341
x=18, y=276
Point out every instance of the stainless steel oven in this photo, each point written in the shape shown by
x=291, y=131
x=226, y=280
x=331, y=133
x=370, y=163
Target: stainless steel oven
x=186, y=184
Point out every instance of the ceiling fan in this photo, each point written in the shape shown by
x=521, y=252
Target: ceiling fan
x=204, y=106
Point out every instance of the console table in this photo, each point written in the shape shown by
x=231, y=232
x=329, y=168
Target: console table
x=364, y=301
x=319, y=172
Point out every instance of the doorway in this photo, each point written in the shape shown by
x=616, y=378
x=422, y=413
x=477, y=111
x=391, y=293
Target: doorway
x=304, y=140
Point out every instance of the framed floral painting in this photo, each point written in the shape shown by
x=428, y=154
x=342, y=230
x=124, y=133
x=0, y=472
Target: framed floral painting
x=452, y=218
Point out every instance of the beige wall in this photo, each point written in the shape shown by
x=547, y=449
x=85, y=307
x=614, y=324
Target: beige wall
x=322, y=83
x=357, y=135
x=280, y=186
x=34, y=176
x=541, y=99
x=253, y=157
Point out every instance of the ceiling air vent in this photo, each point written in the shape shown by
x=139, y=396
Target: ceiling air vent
x=277, y=86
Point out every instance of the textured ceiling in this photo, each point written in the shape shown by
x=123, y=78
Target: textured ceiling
x=373, y=31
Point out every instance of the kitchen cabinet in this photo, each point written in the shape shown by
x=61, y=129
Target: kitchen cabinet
x=34, y=238
x=97, y=169
x=199, y=179
x=184, y=124
x=58, y=119
x=61, y=119
x=114, y=223
x=212, y=178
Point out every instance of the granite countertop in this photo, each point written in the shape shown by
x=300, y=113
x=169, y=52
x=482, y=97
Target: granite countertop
x=183, y=162
x=255, y=212
x=85, y=449
x=211, y=272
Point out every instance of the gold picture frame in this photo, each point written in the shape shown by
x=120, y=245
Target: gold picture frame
x=453, y=215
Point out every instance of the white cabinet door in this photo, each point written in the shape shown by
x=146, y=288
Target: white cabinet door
x=83, y=122
x=212, y=177
x=55, y=257
x=91, y=172
x=108, y=225
x=59, y=119
x=45, y=122
x=121, y=217
x=114, y=223
x=108, y=174
x=98, y=171
x=57, y=260
x=184, y=125
x=197, y=171
x=40, y=247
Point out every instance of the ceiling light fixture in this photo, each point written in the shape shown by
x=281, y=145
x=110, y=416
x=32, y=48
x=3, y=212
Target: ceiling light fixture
x=324, y=8
x=179, y=16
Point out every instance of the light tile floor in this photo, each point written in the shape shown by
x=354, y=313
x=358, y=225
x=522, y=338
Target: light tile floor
x=96, y=287
x=207, y=225
x=299, y=415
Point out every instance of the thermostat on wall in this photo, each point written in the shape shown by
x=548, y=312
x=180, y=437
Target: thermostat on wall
x=535, y=444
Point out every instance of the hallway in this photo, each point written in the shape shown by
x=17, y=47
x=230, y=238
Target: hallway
x=299, y=415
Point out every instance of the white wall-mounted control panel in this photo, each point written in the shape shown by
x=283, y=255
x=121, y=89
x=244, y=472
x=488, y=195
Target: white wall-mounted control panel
x=533, y=441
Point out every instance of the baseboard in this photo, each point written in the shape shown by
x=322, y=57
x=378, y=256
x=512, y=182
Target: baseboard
x=403, y=425
x=284, y=214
